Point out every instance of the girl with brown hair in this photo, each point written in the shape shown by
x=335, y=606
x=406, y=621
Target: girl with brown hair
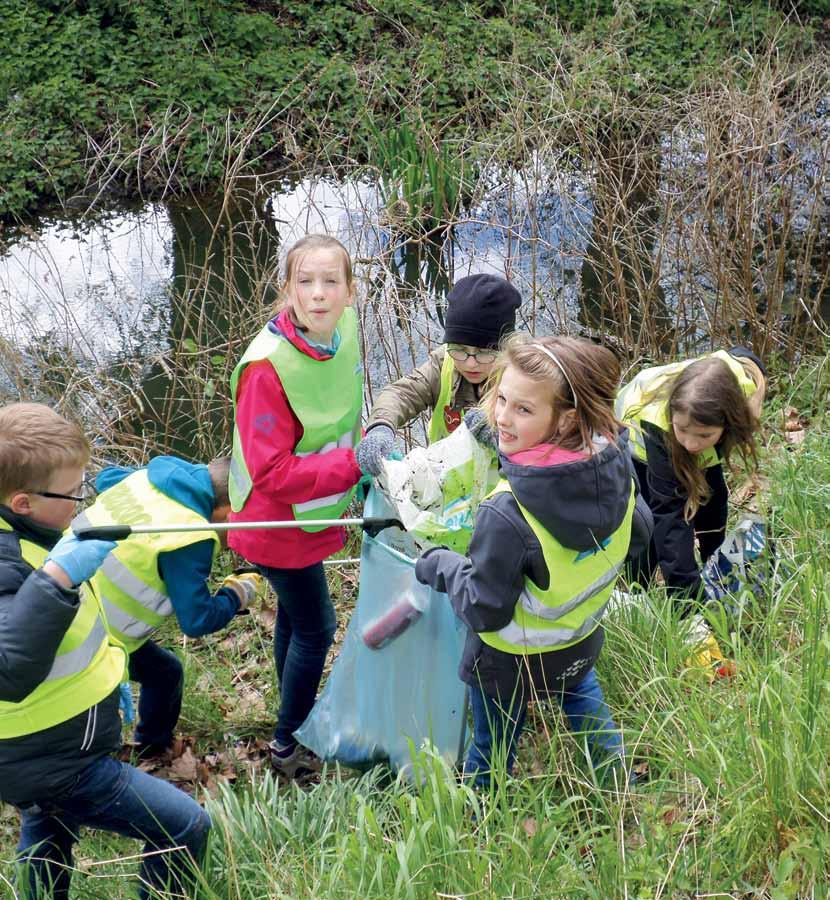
x=547, y=547
x=686, y=420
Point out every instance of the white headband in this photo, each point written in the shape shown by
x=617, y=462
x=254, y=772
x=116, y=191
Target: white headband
x=561, y=368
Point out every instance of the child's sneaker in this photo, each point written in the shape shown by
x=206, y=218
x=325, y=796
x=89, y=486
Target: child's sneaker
x=293, y=762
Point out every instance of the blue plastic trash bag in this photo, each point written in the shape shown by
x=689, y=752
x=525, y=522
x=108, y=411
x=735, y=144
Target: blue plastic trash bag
x=733, y=575
x=395, y=682
x=125, y=702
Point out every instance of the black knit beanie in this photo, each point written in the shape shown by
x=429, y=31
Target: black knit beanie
x=480, y=310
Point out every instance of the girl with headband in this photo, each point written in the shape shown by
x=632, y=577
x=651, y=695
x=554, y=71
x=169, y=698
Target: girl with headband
x=547, y=548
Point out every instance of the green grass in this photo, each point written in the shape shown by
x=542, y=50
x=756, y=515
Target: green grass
x=735, y=805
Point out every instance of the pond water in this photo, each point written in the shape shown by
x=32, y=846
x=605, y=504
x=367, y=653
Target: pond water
x=106, y=289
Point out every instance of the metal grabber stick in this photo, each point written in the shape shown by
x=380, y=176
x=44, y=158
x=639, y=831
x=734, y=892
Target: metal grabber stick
x=372, y=525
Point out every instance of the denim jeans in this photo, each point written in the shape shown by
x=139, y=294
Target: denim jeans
x=497, y=729
x=161, y=677
x=302, y=637
x=115, y=797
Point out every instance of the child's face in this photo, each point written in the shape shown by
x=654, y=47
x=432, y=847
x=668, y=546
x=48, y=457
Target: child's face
x=524, y=413
x=52, y=512
x=318, y=292
x=693, y=436
x=470, y=367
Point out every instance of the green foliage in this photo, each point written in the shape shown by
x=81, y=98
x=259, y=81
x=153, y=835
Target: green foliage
x=422, y=185
x=150, y=96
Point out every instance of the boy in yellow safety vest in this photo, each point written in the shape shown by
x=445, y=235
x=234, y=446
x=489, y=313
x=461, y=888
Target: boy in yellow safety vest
x=149, y=577
x=59, y=674
x=481, y=310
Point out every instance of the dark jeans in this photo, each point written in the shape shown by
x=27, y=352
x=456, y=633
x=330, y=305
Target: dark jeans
x=161, y=677
x=496, y=729
x=302, y=637
x=115, y=797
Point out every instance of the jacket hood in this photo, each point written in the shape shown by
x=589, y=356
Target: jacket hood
x=186, y=482
x=580, y=503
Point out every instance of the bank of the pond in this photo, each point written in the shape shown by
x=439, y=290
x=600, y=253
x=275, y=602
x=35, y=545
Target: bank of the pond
x=735, y=804
x=143, y=98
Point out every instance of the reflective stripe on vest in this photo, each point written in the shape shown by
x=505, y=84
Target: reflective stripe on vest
x=87, y=667
x=134, y=595
x=325, y=395
x=574, y=602
x=640, y=401
x=438, y=424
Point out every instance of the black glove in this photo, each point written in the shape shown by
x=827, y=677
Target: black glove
x=476, y=421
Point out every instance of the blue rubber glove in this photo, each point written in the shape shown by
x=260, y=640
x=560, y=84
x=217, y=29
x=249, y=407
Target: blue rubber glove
x=379, y=444
x=476, y=421
x=79, y=559
x=125, y=702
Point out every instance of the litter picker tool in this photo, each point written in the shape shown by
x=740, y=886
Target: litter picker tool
x=370, y=524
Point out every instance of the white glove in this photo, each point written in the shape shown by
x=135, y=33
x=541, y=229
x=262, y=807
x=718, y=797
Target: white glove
x=245, y=586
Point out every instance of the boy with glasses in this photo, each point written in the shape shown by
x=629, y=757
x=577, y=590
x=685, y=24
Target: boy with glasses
x=481, y=310
x=59, y=675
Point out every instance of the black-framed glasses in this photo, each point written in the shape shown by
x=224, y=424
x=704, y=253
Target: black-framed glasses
x=480, y=356
x=87, y=491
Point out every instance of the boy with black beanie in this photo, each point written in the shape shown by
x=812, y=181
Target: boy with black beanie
x=481, y=310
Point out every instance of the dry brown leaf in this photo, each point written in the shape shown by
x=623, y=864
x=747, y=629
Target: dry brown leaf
x=786, y=835
x=747, y=495
x=185, y=767
x=794, y=425
x=671, y=815
x=640, y=770
x=267, y=616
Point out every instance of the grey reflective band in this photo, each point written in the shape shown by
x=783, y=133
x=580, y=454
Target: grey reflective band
x=550, y=637
x=533, y=605
x=237, y=474
x=123, y=622
x=344, y=442
x=320, y=502
x=78, y=659
x=148, y=597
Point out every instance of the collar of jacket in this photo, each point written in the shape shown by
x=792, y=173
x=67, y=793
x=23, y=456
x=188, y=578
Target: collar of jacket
x=29, y=530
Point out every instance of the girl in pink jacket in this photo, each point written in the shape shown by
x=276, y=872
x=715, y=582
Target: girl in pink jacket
x=297, y=403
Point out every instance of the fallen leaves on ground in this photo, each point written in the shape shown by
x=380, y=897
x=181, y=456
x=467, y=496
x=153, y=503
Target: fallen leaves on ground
x=747, y=495
x=187, y=769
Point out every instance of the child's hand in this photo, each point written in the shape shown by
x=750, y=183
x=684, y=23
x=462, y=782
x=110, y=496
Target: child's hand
x=476, y=422
x=76, y=560
x=379, y=444
x=245, y=586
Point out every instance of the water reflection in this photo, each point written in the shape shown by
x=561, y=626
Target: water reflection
x=606, y=249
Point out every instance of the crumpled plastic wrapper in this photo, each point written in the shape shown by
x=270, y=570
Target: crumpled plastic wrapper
x=437, y=489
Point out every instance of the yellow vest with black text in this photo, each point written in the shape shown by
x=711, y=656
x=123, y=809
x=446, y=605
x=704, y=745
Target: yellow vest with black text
x=326, y=395
x=574, y=602
x=87, y=667
x=633, y=406
x=133, y=594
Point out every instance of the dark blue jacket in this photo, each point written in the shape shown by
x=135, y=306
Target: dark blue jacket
x=35, y=612
x=185, y=571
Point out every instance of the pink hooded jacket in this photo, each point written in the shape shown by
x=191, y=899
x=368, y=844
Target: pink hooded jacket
x=269, y=431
